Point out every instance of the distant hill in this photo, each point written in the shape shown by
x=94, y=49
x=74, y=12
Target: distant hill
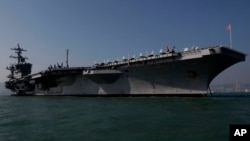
x=231, y=88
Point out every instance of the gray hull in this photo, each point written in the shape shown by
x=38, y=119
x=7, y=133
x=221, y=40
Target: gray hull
x=184, y=73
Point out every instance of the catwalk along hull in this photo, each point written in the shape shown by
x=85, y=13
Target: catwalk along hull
x=182, y=73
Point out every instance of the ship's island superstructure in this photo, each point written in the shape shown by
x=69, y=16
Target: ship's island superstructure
x=168, y=73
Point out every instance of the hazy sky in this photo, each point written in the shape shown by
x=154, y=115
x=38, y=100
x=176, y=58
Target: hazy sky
x=97, y=30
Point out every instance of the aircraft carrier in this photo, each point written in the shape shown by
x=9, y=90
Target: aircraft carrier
x=185, y=73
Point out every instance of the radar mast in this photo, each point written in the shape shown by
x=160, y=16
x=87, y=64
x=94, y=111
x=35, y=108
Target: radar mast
x=19, y=57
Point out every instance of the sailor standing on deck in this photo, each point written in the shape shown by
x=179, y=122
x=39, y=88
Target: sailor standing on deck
x=168, y=49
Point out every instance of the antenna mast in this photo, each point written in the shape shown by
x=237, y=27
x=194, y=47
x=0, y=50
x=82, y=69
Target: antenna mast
x=19, y=57
x=67, y=58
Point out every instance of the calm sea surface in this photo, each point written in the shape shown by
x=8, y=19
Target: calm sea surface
x=121, y=118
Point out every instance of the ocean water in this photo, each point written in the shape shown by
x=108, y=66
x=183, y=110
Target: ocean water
x=122, y=118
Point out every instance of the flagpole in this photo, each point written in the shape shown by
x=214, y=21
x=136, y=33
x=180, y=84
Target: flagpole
x=230, y=34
